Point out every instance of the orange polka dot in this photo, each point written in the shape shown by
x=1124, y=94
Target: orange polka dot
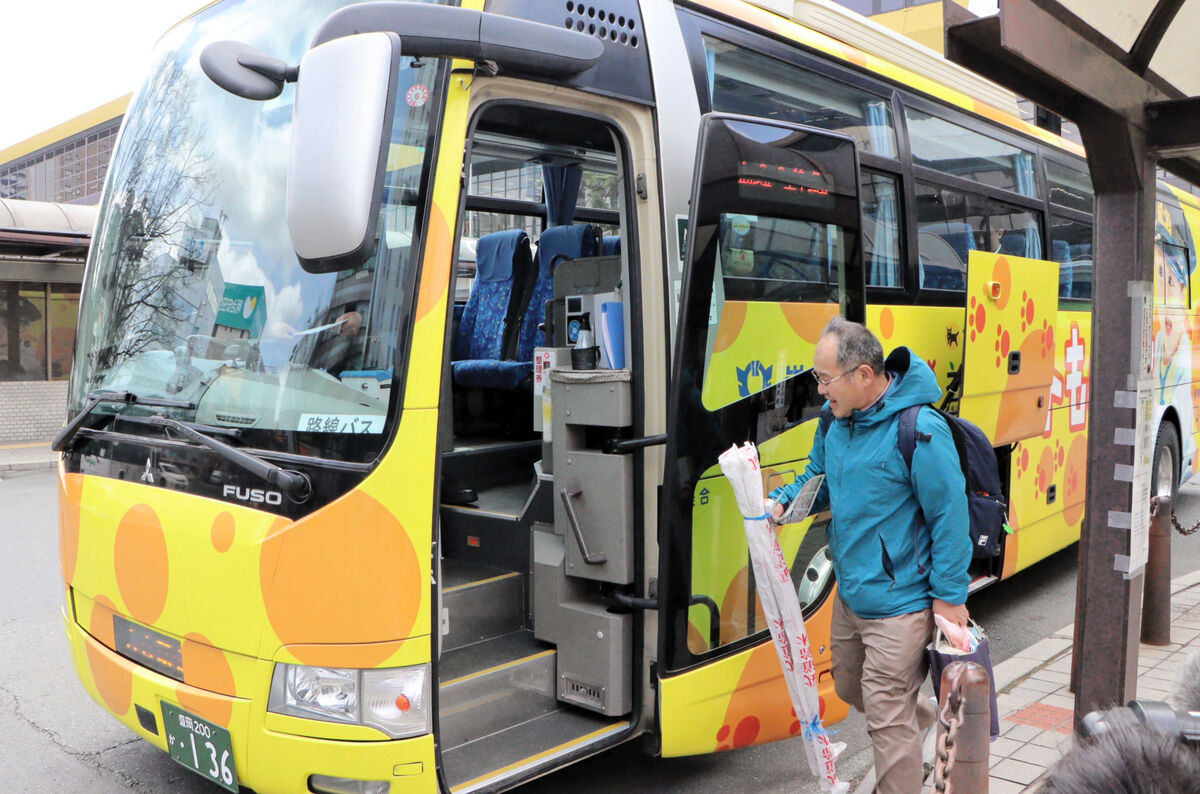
x=1002, y=274
x=317, y=574
x=435, y=270
x=887, y=323
x=140, y=563
x=100, y=624
x=746, y=732
x=70, y=489
x=733, y=317
x=214, y=708
x=206, y=667
x=114, y=681
x=222, y=532
x=808, y=320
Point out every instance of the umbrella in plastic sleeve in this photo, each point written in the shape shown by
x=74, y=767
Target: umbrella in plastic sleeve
x=781, y=606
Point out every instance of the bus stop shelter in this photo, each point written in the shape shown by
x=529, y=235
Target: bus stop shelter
x=43, y=247
x=1125, y=74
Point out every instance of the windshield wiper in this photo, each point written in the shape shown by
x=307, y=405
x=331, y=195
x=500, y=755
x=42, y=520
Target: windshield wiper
x=294, y=483
x=63, y=439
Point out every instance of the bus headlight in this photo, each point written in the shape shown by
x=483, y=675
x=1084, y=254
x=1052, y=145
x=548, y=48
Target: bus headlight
x=395, y=700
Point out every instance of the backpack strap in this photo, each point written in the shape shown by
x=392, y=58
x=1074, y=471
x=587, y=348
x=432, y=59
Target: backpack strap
x=823, y=420
x=907, y=435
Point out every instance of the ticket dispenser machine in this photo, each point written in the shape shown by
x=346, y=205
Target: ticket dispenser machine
x=591, y=542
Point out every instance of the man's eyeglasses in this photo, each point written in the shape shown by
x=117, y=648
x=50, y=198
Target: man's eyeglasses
x=827, y=381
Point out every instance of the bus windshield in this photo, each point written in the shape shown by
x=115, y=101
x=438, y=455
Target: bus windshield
x=193, y=292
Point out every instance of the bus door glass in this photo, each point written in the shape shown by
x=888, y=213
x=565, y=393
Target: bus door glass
x=773, y=255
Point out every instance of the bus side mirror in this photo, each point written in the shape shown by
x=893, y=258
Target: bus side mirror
x=341, y=133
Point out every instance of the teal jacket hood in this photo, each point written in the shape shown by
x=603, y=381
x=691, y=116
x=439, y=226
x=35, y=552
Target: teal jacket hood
x=899, y=537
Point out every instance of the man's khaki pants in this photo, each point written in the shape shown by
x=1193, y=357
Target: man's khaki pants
x=878, y=668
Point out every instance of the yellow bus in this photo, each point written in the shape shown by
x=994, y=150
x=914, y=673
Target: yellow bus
x=411, y=332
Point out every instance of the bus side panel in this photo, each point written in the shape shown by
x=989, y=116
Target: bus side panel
x=735, y=702
x=934, y=332
x=1185, y=398
x=1048, y=474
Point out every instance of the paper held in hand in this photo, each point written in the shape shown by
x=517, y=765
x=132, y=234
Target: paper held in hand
x=801, y=507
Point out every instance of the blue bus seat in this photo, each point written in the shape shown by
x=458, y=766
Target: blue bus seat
x=502, y=266
x=1060, y=250
x=610, y=245
x=556, y=244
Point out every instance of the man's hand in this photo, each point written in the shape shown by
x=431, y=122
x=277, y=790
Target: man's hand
x=773, y=508
x=954, y=613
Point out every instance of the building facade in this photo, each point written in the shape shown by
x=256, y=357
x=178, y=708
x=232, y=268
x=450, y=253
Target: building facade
x=43, y=247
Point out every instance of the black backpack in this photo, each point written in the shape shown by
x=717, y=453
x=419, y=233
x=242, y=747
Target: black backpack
x=986, y=507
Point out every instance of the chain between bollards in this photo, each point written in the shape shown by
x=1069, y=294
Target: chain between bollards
x=1175, y=521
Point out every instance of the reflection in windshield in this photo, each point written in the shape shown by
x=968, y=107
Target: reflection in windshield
x=194, y=293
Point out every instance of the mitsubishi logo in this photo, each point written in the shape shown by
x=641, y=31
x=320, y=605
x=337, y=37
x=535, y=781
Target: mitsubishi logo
x=148, y=474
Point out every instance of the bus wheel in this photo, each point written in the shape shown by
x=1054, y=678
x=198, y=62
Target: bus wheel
x=1165, y=473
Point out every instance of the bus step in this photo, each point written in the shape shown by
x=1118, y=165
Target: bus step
x=522, y=750
x=492, y=685
x=482, y=603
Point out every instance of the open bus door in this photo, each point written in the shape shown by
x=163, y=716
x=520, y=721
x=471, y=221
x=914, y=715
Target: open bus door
x=773, y=254
x=1008, y=371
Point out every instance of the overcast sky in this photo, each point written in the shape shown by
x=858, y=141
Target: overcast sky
x=61, y=58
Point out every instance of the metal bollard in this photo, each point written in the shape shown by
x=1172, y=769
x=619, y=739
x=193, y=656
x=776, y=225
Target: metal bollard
x=1156, y=590
x=964, y=730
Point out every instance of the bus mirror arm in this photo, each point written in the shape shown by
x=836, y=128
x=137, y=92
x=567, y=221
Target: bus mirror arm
x=294, y=483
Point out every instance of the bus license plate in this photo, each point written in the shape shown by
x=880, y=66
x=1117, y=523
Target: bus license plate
x=201, y=746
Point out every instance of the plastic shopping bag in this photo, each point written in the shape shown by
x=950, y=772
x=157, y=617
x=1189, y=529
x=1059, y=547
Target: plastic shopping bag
x=941, y=652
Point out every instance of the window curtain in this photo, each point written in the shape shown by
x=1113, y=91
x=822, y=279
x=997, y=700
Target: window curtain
x=883, y=227
x=561, y=185
x=883, y=138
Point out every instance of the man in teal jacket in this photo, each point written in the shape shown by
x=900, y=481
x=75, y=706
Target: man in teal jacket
x=898, y=538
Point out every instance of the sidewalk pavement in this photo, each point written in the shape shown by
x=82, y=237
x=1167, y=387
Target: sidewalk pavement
x=26, y=456
x=1037, y=707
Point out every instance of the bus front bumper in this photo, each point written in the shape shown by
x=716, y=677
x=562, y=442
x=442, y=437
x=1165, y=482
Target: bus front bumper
x=267, y=760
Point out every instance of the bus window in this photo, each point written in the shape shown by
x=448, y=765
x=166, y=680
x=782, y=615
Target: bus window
x=753, y=84
x=947, y=147
x=1173, y=260
x=767, y=258
x=881, y=230
x=1069, y=187
x=952, y=223
x=1071, y=247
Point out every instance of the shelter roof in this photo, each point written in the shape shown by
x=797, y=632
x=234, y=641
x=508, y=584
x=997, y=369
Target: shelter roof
x=1134, y=60
x=42, y=228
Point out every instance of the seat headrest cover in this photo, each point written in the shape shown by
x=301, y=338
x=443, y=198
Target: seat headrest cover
x=572, y=242
x=496, y=252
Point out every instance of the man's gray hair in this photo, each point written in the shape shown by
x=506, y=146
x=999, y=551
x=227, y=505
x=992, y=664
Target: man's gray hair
x=856, y=345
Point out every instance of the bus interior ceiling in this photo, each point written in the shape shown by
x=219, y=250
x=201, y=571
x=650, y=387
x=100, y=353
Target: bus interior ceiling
x=523, y=668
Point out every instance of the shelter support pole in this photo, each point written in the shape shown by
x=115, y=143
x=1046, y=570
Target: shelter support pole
x=1109, y=593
